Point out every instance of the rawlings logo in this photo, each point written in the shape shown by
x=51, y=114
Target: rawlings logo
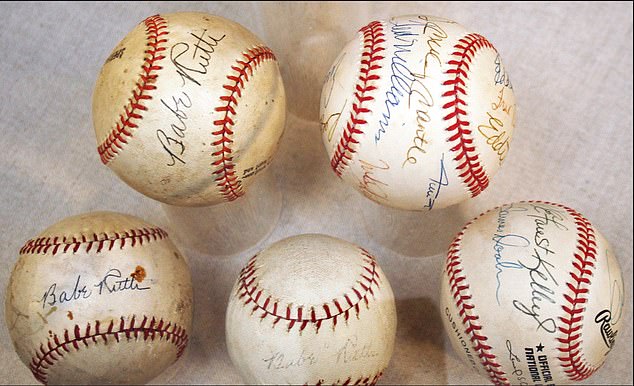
x=605, y=317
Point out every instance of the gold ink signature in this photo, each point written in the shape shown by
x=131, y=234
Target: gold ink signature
x=497, y=138
x=501, y=103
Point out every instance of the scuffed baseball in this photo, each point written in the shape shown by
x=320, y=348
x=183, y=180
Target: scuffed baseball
x=189, y=108
x=417, y=112
x=532, y=294
x=99, y=298
x=311, y=309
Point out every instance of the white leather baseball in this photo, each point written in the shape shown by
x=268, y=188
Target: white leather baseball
x=532, y=294
x=311, y=309
x=99, y=298
x=188, y=108
x=417, y=112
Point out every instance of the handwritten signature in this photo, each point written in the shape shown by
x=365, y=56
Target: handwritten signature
x=113, y=281
x=435, y=185
x=369, y=184
x=172, y=143
x=401, y=76
x=425, y=103
x=278, y=361
x=496, y=137
x=501, y=77
x=352, y=351
x=518, y=373
x=327, y=126
x=501, y=262
x=542, y=280
x=188, y=67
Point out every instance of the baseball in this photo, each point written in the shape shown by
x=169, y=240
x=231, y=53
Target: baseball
x=99, y=298
x=189, y=108
x=311, y=309
x=417, y=112
x=532, y=295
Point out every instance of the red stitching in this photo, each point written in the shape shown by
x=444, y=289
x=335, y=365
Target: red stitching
x=471, y=171
x=370, y=380
x=56, y=347
x=62, y=244
x=372, y=38
x=572, y=360
x=230, y=185
x=156, y=28
x=346, y=304
x=461, y=295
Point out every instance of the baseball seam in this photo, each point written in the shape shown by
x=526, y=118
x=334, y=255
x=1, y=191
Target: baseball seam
x=226, y=179
x=370, y=380
x=62, y=244
x=156, y=29
x=372, y=38
x=249, y=291
x=584, y=258
x=469, y=167
x=56, y=348
x=460, y=292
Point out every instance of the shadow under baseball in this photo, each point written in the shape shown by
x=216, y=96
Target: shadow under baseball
x=419, y=344
x=412, y=233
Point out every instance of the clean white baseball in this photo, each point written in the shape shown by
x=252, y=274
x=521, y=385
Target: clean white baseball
x=417, y=112
x=99, y=298
x=188, y=108
x=311, y=309
x=532, y=294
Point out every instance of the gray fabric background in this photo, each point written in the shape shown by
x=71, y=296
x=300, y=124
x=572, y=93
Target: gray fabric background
x=571, y=66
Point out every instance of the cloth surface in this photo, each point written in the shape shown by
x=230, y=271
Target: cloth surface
x=571, y=67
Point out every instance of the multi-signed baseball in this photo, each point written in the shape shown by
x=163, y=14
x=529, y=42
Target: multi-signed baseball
x=417, y=112
x=188, y=108
x=311, y=309
x=532, y=295
x=99, y=298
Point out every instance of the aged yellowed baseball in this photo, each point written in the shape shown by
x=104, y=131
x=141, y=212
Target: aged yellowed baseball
x=311, y=309
x=99, y=298
x=189, y=108
x=417, y=112
x=532, y=295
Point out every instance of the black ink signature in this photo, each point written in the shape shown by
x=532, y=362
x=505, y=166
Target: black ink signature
x=541, y=291
x=172, y=143
x=51, y=298
x=188, y=67
x=434, y=186
x=112, y=282
x=545, y=217
x=326, y=126
x=514, y=360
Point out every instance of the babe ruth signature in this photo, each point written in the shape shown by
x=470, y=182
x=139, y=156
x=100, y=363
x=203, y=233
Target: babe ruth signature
x=113, y=281
x=195, y=63
x=191, y=60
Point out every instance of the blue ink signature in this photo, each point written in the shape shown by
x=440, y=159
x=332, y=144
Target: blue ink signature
x=434, y=186
x=501, y=241
x=401, y=77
